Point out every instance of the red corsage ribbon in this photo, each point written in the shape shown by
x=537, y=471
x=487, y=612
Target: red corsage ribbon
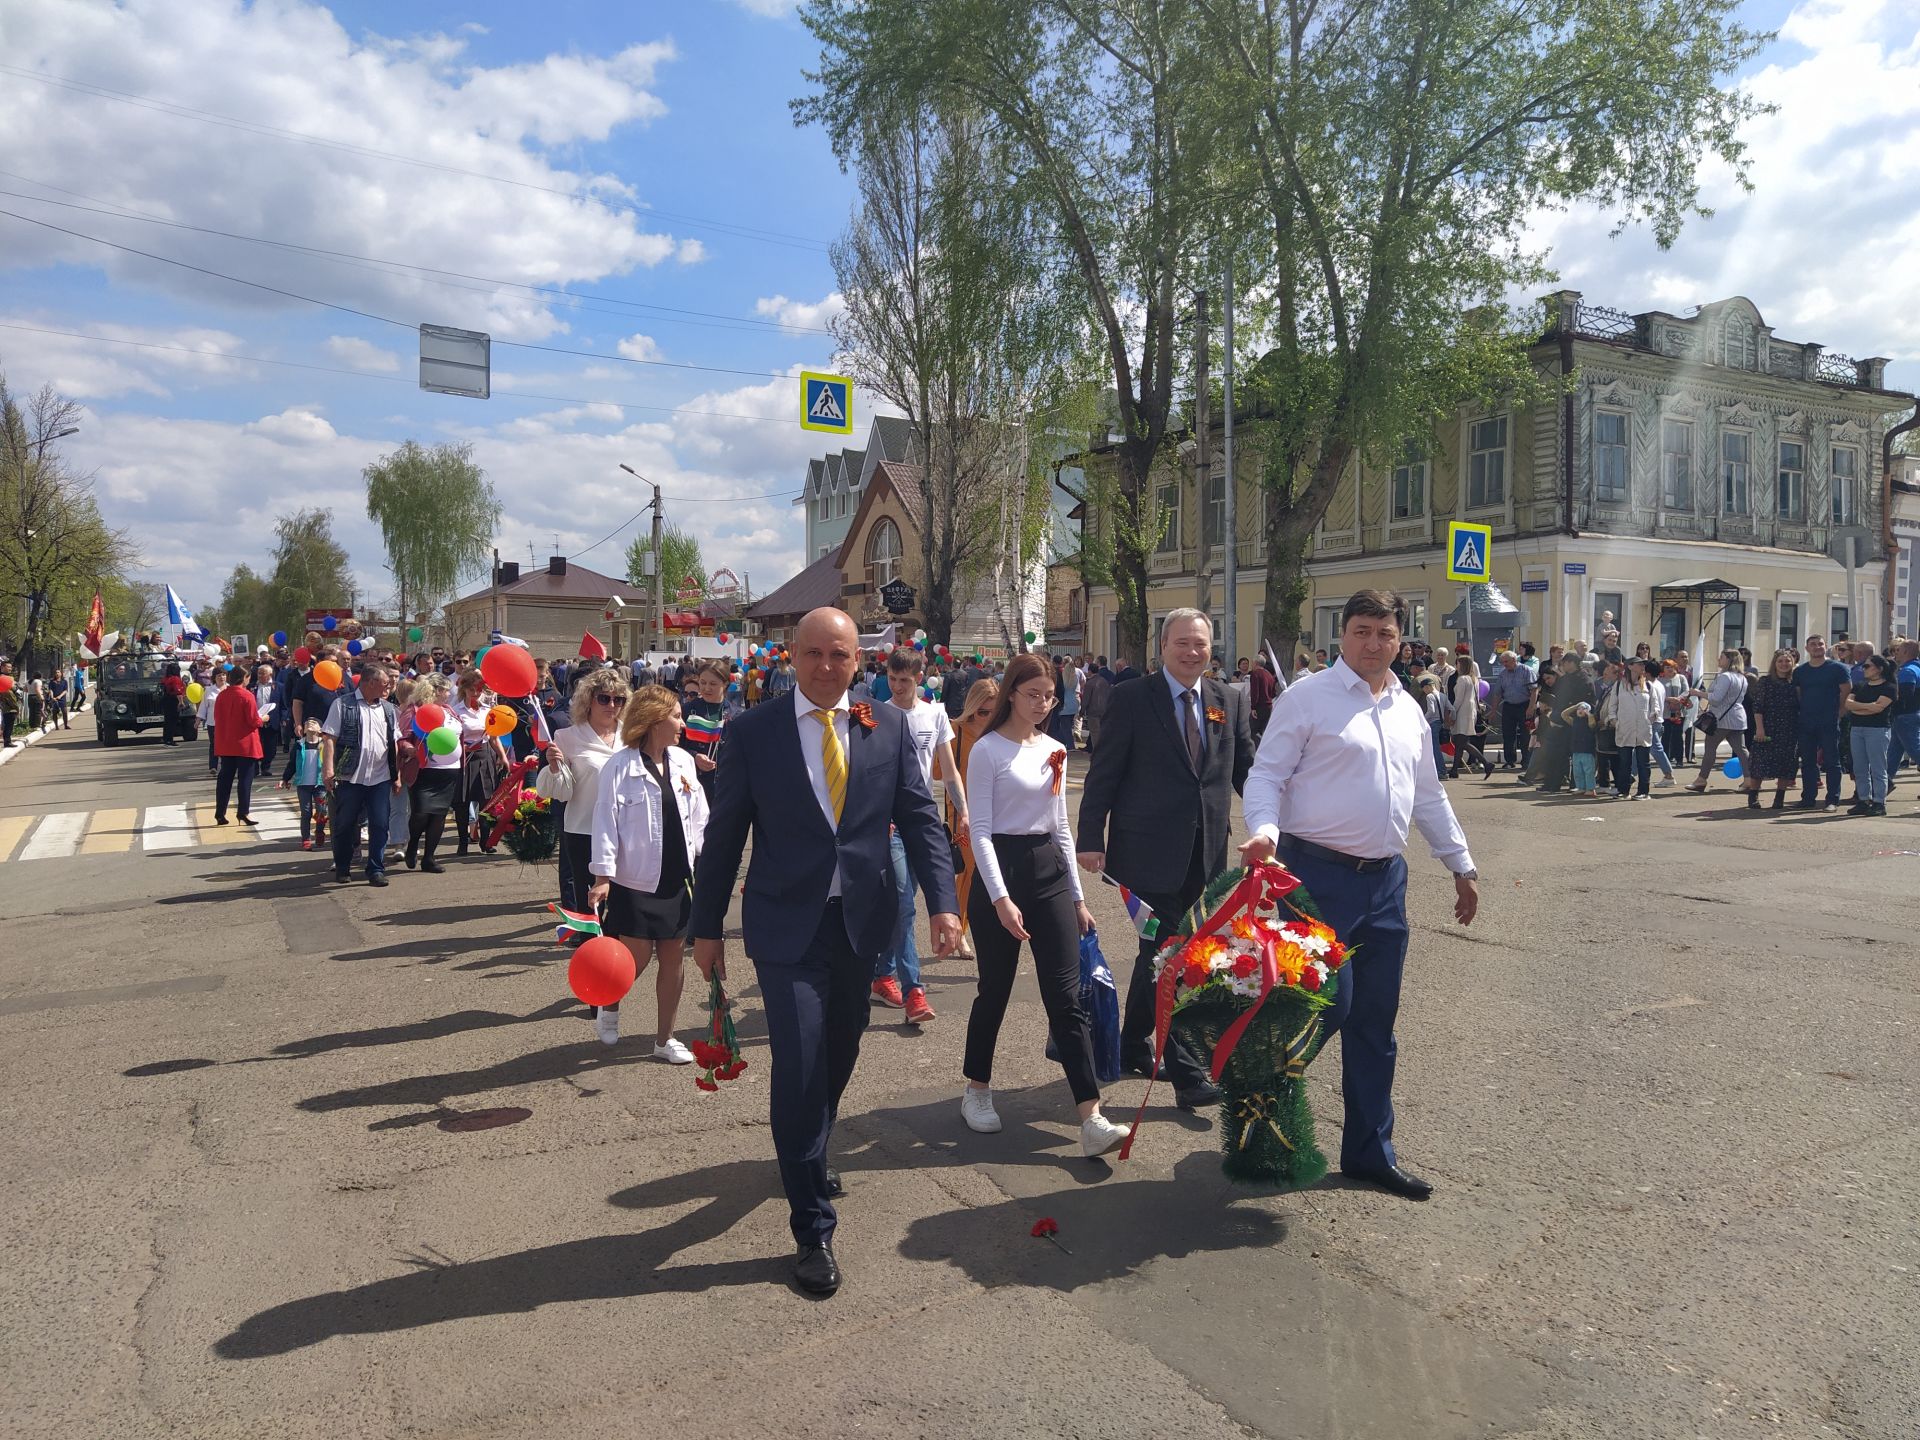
x=862, y=714
x=1057, y=762
x=1216, y=717
x=1267, y=881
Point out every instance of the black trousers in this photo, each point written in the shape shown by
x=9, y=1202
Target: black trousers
x=1179, y=1065
x=1039, y=883
x=816, y=1012
x=1513, y=731
x=234, y=767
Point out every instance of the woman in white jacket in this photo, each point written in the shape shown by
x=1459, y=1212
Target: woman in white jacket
x=571, y=775
x=649, y=819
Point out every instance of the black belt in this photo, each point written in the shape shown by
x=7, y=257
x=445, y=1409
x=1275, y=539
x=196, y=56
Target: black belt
x=1307, y=850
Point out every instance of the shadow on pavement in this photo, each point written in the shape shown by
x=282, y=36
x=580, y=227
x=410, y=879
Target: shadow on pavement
x=555, y=1063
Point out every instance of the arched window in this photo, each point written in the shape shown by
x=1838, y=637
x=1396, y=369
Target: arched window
x=883, y=555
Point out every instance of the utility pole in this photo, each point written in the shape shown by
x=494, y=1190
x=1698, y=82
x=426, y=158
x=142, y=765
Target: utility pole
x=1202, y=457
x=493, y=599
x=1231, y=525
x=659, y=564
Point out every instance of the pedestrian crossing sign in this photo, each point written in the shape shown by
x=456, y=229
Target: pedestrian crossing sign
x=1469, y=552
x=826, y=403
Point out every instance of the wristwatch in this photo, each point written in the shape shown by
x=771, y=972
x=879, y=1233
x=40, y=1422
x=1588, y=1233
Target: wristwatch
x=1466, y=874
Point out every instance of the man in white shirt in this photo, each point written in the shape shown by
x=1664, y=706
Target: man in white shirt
x=362, y=771
x=896, y=975
x=1345, y=765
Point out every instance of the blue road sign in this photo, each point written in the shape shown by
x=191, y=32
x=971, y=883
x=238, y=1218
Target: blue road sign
x=1533, y=587
x=1577, y=567
x=826, y=403
x=1469, y=552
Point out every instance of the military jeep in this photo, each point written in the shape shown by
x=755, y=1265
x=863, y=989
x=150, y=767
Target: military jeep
x=127, y=697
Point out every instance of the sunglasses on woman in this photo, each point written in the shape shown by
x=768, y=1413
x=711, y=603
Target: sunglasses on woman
x=612, y=701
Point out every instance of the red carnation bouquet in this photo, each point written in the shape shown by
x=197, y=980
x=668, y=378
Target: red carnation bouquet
x=718, y=1056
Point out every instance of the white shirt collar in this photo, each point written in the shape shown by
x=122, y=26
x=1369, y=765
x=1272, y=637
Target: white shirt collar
x=1354, y=680
x=804, y=708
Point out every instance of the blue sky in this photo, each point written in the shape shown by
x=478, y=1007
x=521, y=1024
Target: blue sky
x=675, y=119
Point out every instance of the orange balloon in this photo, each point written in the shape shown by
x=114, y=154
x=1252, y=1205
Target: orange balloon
x=601, y=971
x=327, y=675
x=501, y=720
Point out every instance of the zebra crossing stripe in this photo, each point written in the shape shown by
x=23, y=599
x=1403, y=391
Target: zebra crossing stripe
x=111, y=833
x=56, y=836
x=231, y=833
x=167, y=828
x=12, y=827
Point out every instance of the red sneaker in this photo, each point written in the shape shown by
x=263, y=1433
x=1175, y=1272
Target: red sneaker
x=887, y=992
x=306, y=844
x=919, y=1012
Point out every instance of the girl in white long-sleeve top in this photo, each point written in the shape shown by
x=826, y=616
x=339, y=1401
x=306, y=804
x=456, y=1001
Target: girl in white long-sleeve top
x=649, y=819
x=1027, y=889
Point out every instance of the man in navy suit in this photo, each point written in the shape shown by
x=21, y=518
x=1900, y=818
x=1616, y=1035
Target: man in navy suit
x=821, y=786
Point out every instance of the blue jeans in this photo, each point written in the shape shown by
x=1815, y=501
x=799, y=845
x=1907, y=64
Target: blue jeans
x=1586, y=775
x=1632, y=765
x=1870, y=744
x=1660, y=752
x=901, y=960
x=352, y=805
x=1439, y=739
x=1905, y=747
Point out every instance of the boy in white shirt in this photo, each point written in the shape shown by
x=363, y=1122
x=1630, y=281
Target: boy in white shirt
x=896, y=975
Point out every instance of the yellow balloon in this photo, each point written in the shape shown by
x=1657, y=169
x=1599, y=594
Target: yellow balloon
x=501, y=720
x=196, y=692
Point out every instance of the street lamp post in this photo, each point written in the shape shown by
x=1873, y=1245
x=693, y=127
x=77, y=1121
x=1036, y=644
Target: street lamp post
x=659, y=565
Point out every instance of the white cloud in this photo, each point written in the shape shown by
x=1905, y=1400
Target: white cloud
x=690, y=252
x=1824, y=244
x=291, y=66
x=296, y=425
x=156, y=363
x=360, y=354
x=799, y=313
x=637, y=347
x=768, y=9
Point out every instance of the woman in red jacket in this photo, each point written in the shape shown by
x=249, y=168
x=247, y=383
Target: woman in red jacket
x=236, y=738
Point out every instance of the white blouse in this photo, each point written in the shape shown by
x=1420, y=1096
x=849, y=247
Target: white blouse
x=576, y=780
x=1010, y=792
x=629, y=824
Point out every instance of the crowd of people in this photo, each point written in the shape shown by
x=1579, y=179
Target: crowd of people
x=39, y=702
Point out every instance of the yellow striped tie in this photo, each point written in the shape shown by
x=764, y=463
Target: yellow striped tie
x=834, y=761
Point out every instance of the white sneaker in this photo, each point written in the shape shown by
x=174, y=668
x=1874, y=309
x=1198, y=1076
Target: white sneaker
x=1666, y=784
x=1098, y=1135
x=976, y=1108
x=607, y=1022
x=673, y=1052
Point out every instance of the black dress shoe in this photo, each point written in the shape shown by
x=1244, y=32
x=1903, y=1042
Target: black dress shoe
x=378, y=877
x=815, y=1270
x=431, y=866
x=1196, y=1096
x=1137, y=1063
x=834, y=1188
x=1394, y=1179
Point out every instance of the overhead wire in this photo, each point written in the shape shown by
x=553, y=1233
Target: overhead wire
x=577, y=299
x=385, y=319
x=280, y=132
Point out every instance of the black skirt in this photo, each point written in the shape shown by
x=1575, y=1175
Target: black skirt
x=636, y=915
x=433, y=791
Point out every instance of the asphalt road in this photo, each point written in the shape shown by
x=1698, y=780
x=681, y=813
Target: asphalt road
x=284, y=1159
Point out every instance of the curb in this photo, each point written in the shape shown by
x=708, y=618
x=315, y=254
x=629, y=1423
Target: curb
x=20, y=744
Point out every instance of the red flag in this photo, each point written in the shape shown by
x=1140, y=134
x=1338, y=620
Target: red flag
x=96, y=624
x=591, y=648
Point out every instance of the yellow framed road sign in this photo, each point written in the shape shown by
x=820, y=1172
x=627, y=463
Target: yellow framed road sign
x=826, y=403
x=1469, y=552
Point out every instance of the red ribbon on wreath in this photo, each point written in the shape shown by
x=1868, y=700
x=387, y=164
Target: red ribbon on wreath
x=1268, y=880
x=499, y=809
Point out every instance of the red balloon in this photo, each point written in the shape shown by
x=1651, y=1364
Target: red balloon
x=430, y=717
x=6, y=684
x=508, y=671
x=302, y=655
x=601, y=971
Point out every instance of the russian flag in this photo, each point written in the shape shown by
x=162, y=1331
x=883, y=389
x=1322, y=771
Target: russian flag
x=1138, y=911
x=703, y=731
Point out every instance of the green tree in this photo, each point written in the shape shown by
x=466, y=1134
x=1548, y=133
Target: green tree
x=952, y=316
x=1391, y=156
x=682, y=552
x=437, y=514
x=1102, y=109
x=247, y=605
x=54, y=545
x=310, y=569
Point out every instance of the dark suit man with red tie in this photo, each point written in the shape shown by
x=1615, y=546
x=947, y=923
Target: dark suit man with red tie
x=1157, y=810
x=820, y=781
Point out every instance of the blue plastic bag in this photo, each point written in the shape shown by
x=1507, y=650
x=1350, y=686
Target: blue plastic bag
x=1101, y=1001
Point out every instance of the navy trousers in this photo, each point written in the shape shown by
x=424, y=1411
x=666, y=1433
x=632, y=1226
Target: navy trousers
x=1370, y=914
x=1819, y=749
x=816, y=1013
x=354, y=805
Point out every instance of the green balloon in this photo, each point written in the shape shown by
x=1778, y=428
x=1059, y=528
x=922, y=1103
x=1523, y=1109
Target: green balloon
x=443, y=741
x=1029, y=637
x=415, y=635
